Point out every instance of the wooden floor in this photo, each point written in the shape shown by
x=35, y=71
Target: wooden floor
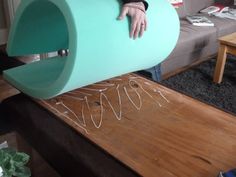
x=173, y=137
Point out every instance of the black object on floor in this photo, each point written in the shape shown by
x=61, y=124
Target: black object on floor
x=197, y=82
x=8, y=62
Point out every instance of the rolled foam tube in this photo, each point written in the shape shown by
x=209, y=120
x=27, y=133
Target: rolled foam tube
x=99, y=44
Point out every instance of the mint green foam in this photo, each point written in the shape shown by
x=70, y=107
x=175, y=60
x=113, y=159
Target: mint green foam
x=99, y=45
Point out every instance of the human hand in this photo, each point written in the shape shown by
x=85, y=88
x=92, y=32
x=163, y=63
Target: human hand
x=136, y=10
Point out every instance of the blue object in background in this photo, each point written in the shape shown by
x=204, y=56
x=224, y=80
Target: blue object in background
x=231, y=173
x=155, y=72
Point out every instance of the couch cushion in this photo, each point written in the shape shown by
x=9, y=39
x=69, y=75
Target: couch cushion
x=194, y=38
x=191, y=7
x=181, y=12
x=194, y=6
x=223, y=26
x=193, y=44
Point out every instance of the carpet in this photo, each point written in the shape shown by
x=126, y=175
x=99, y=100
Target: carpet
x=197, y=82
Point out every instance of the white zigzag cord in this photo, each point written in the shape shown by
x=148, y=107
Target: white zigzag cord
x=76, y=91
x=102, y=108
x=68, y=118
x=91, y=116
x=72, y=112
x=72, y=97
x=144, y=91
x=82, y=112
x=158, y=91
x=118, y=117
x=112, y=108
x=104, y=84
x=96, y=90
x=140, y=100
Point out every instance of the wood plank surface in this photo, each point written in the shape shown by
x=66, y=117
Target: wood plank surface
x=227, y=45
x=172, y=135
x=229, y=39
x=220, y=64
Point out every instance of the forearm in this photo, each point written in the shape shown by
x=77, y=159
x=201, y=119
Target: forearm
x=143, y=1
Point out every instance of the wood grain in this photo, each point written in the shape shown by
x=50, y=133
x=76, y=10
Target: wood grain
x=227, y=46
x=229, y=39
x=220, y=64
x=181, y=138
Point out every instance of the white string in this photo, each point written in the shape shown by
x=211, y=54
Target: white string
x=82, y=112
x=68, y=118
x=158, y=91
x=73, y=97
x=77, y=91
x=140, y=101
x=72, y=112
x=104, y=85
x=147, y=83
x=103, y=95
x=144, y=91
x=91, y=116
x=96, y=90
x=118, y=117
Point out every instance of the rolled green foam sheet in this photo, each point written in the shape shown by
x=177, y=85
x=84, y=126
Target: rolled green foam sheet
x=99, y=44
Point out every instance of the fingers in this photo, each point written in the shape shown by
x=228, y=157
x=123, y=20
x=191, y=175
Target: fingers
x=138, y=20
x=138, y=27
x=145, y=24
x=142, y=29
x=134, y=25
x=123, y=13
x=138, y=30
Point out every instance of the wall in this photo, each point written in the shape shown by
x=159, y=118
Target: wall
x=2, y=16
x=7, y=11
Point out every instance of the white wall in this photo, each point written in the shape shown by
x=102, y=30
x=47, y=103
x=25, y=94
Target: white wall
x=7, y=11
x=2, y=16
x=3, y=24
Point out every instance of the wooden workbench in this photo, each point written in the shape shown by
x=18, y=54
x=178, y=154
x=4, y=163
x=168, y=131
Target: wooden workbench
x=172, y=135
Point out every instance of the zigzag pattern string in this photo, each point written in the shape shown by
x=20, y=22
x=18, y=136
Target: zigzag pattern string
x=83, y=95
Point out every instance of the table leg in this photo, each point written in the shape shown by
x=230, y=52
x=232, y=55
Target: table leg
x=220, y=64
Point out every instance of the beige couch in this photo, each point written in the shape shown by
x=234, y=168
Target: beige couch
x=196, y=43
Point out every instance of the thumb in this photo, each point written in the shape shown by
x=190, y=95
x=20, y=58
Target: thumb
x=123, y=13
